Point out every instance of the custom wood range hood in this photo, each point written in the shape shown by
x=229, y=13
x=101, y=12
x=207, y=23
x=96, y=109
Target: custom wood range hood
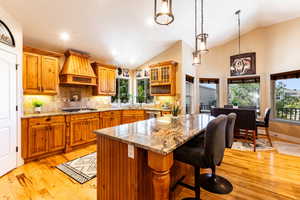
x=77, y=69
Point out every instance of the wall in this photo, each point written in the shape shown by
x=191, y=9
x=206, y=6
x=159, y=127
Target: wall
x=16, y=30
x=277, y=50
x=61, y=100
x=181, y=53
x=174, y=52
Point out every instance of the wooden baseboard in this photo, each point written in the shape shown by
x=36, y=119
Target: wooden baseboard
x=282, y=136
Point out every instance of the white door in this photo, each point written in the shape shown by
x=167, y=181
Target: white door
x=8, y=121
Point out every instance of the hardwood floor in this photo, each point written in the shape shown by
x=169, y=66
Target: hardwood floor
x=261, y=175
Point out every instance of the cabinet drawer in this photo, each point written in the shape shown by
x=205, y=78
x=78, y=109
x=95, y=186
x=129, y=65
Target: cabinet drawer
x=49, y=119
x=110, y=113
x=133, y=112
x=84, y=116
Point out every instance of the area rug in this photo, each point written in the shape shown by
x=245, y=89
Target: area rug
x=287, y=148
x=261, y=145
x=81, y=169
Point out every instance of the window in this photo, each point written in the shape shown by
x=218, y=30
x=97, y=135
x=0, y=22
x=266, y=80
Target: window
x=143, y=91
x=189, y=82
x=286, y=90
x=244, y=92
x=209, y=94
x=122, y=91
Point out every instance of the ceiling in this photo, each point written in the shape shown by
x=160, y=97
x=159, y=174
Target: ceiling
x=123, y=32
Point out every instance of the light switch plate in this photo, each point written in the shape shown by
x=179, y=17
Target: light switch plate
x=130, y=151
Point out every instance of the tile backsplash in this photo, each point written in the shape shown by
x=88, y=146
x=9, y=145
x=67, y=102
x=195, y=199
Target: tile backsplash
x=63, y=100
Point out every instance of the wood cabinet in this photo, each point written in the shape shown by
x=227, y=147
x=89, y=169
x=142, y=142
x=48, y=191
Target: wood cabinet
x=163, y=79
x=38, y=140
x=110, y=118
x=130, y=116
x=44, y=136
x=40, y=73
x=41, y=136
x=81, y=128
x=106, y=79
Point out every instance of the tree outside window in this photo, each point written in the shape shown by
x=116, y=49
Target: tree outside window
x=244, y=94
x=287, y=99
x=143, y=91
x=122, y=91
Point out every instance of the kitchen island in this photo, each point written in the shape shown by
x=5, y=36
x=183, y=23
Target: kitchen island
x=135, y=161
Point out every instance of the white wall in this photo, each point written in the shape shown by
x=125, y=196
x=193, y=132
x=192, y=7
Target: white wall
x=277, y=50
x=16, y=31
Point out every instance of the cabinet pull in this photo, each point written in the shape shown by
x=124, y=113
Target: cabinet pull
x=48, y=119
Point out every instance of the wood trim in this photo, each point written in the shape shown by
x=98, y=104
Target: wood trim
x=209, y=80
x=286, y=75
x=97, y=64
x=42, y=52
x=189, y=78
x=24, y=138
x=76, y=53
x=170, y=62
x=246, y=79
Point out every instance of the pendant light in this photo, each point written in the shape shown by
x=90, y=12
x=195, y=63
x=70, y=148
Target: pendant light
x=238, y=13
x=163, y=14
x=202, y=37
x=196, y=53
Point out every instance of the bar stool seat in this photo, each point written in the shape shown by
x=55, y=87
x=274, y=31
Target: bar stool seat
x=206, y=154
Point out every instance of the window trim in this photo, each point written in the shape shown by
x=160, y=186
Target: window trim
x=136, y=88
x=274, y=78
x=210, y=81
x=253, y=79
x=118, y=92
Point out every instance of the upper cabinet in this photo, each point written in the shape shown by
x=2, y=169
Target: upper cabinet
x=40, y=71
x=163, y=79
x=106, y=79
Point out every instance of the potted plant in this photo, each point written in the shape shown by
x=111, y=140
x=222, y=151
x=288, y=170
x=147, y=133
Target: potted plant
x=37, y=105
x=235, y=103
x=175, y=111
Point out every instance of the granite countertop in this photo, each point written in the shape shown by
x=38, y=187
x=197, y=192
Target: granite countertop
x=161, y=135
x=32, y=115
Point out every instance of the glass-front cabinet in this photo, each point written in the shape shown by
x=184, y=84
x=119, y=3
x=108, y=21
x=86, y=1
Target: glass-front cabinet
x=163, y=79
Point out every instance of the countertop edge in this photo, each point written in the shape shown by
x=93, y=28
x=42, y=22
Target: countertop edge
x=60, y=113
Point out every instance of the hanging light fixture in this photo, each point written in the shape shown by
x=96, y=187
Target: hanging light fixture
x=196, y=53
x=238, y=13
x=202, y=37
x=163, y=14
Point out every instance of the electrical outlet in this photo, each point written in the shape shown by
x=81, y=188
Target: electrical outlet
x=130, y=151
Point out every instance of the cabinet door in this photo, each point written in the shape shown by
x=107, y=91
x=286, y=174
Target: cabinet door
x=165, y=74
x=102, y=80
x=38, y=140
x=154, y=75
x=31, y=73
x=49, y=74
x=116, y=121
x=106, y=122
x=93, y=124
x=57, y=136
x=111, y=81
x=78, y=131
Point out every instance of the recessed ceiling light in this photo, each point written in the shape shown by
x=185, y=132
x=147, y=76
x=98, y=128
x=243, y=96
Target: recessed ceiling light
x=114, y=52
x=132, y=61
x=64, y=36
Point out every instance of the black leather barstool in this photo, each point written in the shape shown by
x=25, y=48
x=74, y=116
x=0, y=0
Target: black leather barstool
x=205, y=154
x=265, y=124
x=212, y=182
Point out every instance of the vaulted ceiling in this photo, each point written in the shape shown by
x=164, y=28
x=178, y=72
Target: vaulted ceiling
x=123, y=32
